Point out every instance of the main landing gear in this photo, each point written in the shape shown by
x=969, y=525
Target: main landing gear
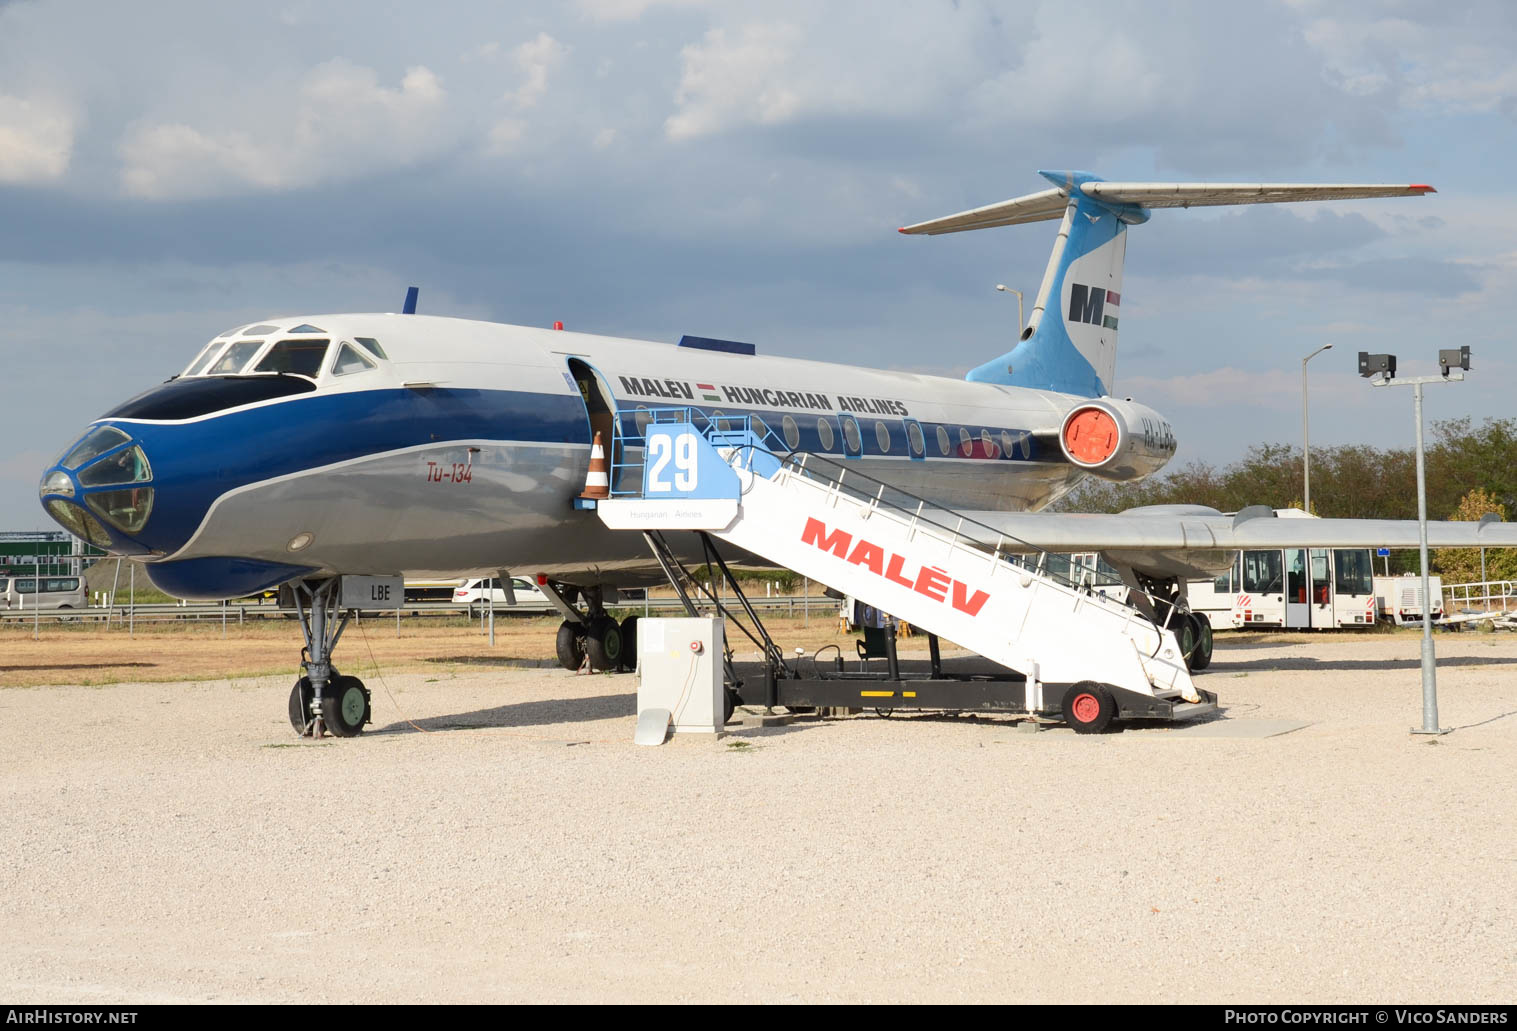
x=325, y=700
x=594, y=636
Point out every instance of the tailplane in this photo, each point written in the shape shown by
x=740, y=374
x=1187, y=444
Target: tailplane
x=1074, y=350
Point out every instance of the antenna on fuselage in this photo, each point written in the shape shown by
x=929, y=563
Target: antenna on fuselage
x=410, y=308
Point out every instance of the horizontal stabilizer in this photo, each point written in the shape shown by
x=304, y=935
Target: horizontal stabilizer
x=1050, y=204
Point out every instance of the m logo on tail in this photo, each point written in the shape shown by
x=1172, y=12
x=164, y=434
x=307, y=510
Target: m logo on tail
x=1093, y=305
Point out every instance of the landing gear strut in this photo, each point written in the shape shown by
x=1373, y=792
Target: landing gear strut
x=325, y=700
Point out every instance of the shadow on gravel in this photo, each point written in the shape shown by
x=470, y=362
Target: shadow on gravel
x=511, y=661
x=524, y=714
x=1220, y=665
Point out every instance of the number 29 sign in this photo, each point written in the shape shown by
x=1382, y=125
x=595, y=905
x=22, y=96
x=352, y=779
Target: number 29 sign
x=678, y=463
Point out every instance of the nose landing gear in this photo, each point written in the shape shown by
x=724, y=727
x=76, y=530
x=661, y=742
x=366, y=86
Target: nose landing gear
x=325, y=700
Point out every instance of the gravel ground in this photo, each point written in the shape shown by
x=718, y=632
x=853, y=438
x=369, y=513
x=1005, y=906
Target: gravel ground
x=174, y=842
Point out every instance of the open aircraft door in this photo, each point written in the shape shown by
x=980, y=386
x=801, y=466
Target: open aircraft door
x=600, y=411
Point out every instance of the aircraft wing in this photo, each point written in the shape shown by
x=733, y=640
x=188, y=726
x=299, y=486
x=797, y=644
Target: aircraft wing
x=1191, y=540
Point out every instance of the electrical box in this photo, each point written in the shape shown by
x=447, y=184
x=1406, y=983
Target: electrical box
x=679, y=668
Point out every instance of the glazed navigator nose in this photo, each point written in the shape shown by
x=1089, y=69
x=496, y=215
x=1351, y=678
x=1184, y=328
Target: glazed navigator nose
x=101, y=490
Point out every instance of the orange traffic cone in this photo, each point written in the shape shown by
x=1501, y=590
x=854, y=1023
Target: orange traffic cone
x=598, y=479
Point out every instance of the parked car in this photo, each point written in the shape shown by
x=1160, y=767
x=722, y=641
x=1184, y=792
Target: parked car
x=473, y=594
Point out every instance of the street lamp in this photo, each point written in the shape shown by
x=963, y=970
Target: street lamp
x=1306, y=433
x=1008, y=290
x=1384, y=367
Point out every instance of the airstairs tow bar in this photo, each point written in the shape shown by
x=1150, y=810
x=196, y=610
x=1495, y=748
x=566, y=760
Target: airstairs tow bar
x=1071, y=652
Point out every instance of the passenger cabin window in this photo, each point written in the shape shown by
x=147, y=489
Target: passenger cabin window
x=914, y=438
x=882, y=437
x=792, y=432
x=824, y=432
x=350, y=360
x=943, y=442
x=295, y=357
x=966, y=443
x=991, y=448
x=234, y=358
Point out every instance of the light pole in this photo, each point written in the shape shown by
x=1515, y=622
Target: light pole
x=1008, y=290
x=1384, y=366
x=1306, y=433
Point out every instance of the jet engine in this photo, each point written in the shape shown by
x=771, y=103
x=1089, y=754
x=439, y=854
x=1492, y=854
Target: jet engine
x=1117, y=440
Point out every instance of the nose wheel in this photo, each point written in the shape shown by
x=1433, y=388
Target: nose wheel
x=325, y=700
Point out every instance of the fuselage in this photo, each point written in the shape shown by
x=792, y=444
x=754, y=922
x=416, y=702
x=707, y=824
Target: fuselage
x=432, y=446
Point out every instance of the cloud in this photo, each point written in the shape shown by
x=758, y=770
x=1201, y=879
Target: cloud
x=342, y=123
x=628, y=10
x=535, y=58
x=36, y=140
x=737, y=80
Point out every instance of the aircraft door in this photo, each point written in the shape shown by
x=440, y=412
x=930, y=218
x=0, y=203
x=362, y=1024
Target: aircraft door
x=600, y=410
x=853, y=440
x=1297, y=589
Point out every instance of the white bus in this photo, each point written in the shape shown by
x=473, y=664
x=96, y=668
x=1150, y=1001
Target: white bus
x=58, y=592
x=1293, y=588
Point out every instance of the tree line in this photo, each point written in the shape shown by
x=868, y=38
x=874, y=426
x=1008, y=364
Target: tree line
x=1471, y=469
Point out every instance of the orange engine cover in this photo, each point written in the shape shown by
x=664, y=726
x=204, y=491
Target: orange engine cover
x=1091, y=436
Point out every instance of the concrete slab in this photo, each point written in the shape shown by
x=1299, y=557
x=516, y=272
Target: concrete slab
x=1240, y=728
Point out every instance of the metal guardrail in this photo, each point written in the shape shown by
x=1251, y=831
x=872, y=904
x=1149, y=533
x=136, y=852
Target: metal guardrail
x=125, y=615
x=1488, y=595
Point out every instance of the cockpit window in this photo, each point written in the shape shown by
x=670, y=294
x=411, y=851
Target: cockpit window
x=304, y=327
x=129, y=466
x=204, y=358
x=258, y=331
x=229, y=333
x=372, y=346
x=300, y=357
x=235, y=357
x=97, y=442
x=350, y=360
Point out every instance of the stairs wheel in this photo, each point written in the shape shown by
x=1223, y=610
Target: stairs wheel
x=1089, y=707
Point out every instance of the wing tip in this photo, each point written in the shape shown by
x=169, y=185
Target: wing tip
x=1422, y=188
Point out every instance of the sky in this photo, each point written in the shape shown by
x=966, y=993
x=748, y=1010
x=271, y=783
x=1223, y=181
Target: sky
x=651, y=168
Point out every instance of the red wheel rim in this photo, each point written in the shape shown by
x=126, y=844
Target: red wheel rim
x=1086, y=708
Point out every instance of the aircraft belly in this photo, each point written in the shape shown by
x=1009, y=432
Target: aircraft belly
x=504, y=507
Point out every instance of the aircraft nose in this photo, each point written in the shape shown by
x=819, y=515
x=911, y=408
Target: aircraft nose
x=101, y=490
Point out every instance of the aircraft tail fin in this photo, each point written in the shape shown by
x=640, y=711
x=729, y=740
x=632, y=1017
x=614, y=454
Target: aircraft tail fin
x=1075, y=351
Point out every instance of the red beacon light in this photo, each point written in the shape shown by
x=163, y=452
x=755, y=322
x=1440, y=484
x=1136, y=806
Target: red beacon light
x=558, y=325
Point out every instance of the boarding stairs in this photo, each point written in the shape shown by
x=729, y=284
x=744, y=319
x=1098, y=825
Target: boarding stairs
x=929, y=566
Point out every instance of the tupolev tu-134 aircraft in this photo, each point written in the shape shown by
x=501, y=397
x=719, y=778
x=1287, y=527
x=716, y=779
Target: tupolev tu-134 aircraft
x=295, y=449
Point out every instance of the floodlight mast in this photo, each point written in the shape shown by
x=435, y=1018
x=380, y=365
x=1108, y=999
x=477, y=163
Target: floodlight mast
x=1383, y=366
